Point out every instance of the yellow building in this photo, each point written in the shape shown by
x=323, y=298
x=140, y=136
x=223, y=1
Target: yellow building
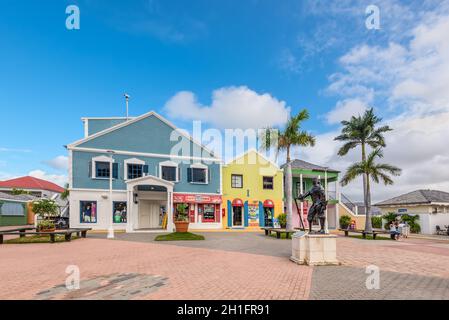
x=252, y=191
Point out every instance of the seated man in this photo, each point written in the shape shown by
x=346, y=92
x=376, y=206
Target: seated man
x=394, y=231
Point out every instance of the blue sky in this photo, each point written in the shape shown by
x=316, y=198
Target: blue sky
x=311, y=54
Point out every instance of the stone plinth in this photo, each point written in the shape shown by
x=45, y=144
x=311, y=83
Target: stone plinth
x=314, y=249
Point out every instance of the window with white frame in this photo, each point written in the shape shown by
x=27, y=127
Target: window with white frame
x=198, y=173
x=135, y=168
x=100, y=168
x=168, y=170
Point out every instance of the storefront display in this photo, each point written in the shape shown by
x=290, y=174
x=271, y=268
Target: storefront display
x=253, y=215
x=88, y=211
x=119, y=212
x=202, y=208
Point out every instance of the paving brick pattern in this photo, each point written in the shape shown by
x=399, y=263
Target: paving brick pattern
x=235, y=266
x=350, y=283
x=192, y=273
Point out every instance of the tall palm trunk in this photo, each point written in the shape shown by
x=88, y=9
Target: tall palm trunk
x=366, y=194
x=368, y=224
x=289, y=191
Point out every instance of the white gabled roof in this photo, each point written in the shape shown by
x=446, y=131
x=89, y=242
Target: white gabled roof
x=131, y=121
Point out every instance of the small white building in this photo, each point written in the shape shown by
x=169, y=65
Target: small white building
x=432, y=206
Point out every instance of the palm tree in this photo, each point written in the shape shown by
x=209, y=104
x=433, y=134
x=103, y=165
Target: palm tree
x=362, y=131
x=369, y=169
x=292, y=135
x=66, y=192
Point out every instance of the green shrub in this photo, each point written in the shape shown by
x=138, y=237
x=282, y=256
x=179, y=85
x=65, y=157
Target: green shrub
x=345, y=221
x=282, y=218
x=391, y=216
x=182, y=214
x=412, y=221
x=45, y=225
x=376, y=222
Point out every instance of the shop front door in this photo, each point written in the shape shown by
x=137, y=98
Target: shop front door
x=149, y=215
x=236, y=216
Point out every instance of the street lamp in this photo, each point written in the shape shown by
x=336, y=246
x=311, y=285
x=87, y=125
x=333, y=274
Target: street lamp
x=111, y=226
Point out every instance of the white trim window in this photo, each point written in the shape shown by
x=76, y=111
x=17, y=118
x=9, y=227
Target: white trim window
x=134, y=168
x=198, y=173
x=168, y=170
x=100, y=167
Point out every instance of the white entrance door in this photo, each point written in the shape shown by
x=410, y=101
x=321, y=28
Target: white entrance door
x=148, y=214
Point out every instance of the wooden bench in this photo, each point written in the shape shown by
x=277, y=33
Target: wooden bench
x=81, y=232
x=374, y=233
x=278, y=231
x=21, y=230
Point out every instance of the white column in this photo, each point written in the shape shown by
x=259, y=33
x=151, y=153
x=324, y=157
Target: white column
x=337, y=206
x=168, y=211
x=109, y=215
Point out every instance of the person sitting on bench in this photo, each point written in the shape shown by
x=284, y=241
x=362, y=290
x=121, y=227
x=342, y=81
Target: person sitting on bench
x=394, y=231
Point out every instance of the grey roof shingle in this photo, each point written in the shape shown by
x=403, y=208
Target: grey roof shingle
x=417, y=197
x=19, y=197
x=301, y=164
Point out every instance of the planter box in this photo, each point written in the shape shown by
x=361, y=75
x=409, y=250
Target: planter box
x=182, y=226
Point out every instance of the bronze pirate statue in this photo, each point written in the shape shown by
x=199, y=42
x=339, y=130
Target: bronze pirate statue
x=319, y=204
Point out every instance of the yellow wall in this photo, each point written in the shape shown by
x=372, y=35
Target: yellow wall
x=360, y=220
x=253, y=167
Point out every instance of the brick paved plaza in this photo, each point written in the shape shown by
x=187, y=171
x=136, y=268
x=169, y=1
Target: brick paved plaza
x=224, y=266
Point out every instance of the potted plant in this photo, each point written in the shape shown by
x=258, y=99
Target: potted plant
x=182, y=218
x=46, y=226
x=47, y=210
x=282, y=218
x=345, y=221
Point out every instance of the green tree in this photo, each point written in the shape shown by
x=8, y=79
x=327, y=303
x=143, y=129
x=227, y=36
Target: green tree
x=66, y=192
x=412, y=221
x=292, y=135
x=45, y=208
x=361, y=131
x=374, y=171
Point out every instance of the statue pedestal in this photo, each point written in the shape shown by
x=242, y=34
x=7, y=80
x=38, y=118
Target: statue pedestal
x=314, y=249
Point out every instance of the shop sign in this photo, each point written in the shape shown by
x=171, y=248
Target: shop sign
x=195, y=198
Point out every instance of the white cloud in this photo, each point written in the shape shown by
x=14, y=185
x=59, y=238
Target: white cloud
x=58, y=163
x=55, y=178
x=231, y=107
x=345, y=109
x=407, y=81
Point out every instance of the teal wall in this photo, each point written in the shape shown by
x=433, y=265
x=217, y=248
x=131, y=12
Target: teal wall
x=149, y=135
x=82, y=179
x=97, y=125
x=13, y=220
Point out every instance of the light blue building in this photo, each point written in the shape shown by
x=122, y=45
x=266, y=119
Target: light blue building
x=154, y=166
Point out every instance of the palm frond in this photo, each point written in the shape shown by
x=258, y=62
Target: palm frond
x=346, y=147
x=355, y=170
